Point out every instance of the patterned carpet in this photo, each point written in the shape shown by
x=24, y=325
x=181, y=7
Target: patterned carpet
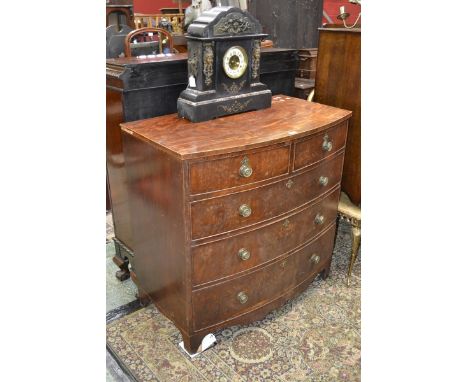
x=315, y=337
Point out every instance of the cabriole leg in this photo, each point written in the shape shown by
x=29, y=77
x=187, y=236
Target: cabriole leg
x=355, y=248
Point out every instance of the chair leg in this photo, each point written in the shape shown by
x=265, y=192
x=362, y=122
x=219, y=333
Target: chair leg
x=354, y=251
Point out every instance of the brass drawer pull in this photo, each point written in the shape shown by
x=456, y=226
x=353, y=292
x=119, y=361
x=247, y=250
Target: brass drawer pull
x=243, y=254
x=327, y=144
x=289, y=183
x=286, y=223
x=315, y=258
x=242, y=297
x=245, y=210
x=245, y=169
x=283, y=263
x=319, y=219
x=323, y=181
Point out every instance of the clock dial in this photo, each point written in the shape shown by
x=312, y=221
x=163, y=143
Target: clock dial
x=235, y=62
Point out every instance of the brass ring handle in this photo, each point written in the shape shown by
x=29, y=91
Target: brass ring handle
x=243, y=254
x=242, y=297
x=289, y=183
x=245, y=210
x=323, y=181
x=315, y=258
x=319, y=219
x=286, y=223
x=327, y=144
x=245, y=171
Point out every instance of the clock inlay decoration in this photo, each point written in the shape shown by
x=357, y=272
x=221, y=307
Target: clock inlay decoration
x=224, y=59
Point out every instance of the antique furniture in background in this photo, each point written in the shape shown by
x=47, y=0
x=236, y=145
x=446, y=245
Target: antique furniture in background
x=234, y=216
x=338, y=83
x=305, y=80
x=307, y=63
x=143, y=20
x=163, y=40
x=303, y=87
x=115, y=40
x=223, y=66
x=118, y=11
x=290, y=24
x=149, y=87
x=352, y=214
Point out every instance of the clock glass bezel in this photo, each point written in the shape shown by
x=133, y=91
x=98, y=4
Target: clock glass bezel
x=246, y=62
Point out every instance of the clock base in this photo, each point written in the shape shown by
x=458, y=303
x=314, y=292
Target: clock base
x=195, y=107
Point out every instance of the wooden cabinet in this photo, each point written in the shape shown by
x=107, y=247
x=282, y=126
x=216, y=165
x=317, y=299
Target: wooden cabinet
x=338, y=83
x=233, y=216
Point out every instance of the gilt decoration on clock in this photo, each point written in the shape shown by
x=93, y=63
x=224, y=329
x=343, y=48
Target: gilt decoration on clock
x=224, y=65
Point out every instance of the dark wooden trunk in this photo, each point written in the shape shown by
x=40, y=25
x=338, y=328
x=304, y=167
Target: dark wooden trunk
x=290, y=24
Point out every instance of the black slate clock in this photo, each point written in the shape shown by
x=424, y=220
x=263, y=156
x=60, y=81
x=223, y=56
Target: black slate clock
x=223, y=66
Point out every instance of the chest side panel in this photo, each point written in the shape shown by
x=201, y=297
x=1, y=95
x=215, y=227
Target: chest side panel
x=155, y=186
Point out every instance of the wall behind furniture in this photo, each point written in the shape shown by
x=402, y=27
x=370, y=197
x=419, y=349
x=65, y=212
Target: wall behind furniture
x=332, y=7
x=154, y=6
x=290, y=24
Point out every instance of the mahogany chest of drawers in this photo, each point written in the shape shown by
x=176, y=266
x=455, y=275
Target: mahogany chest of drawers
x=234, y=216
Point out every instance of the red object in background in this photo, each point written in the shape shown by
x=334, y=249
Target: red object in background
x=332, y=7
x=154, y=6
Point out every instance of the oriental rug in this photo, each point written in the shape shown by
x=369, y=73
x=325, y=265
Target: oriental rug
x=314, y=337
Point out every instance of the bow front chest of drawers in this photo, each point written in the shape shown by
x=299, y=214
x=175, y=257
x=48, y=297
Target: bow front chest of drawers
x=234, y=216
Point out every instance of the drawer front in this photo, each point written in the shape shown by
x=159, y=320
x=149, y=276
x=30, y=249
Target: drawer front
x=230, y=212
x=246, y=293
x=227, y=257
x=236, y=171
x=320, y=146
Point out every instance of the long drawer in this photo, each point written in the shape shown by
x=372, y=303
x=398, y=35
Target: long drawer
x=232, y=298
x=226, y=213
x=239, y=253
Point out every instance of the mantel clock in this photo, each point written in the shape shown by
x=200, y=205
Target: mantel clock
x=223, y=66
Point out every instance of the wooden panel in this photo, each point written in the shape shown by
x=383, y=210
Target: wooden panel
x=338, y=83
x=219, y=259
x=310, y=150
x=224, y=173
x=240, y=131
x=117, y=177
x=217, y=215
x=155, y=186
x=220, y=302
x=290, y=24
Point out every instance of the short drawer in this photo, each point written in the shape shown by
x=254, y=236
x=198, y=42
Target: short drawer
x=320, y=146
x=230, y=256
x=250, y=167
x=226, y=213
x=226, y=300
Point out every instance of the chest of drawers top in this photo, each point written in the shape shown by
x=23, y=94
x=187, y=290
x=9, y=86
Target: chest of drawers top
x=186, y=140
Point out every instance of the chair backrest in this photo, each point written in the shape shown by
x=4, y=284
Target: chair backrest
x=161, y=32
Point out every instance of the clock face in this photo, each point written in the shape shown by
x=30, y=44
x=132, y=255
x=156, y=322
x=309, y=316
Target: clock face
x=235, y=62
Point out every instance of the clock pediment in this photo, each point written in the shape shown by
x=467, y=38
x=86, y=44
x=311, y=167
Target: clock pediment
x=224, y=21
